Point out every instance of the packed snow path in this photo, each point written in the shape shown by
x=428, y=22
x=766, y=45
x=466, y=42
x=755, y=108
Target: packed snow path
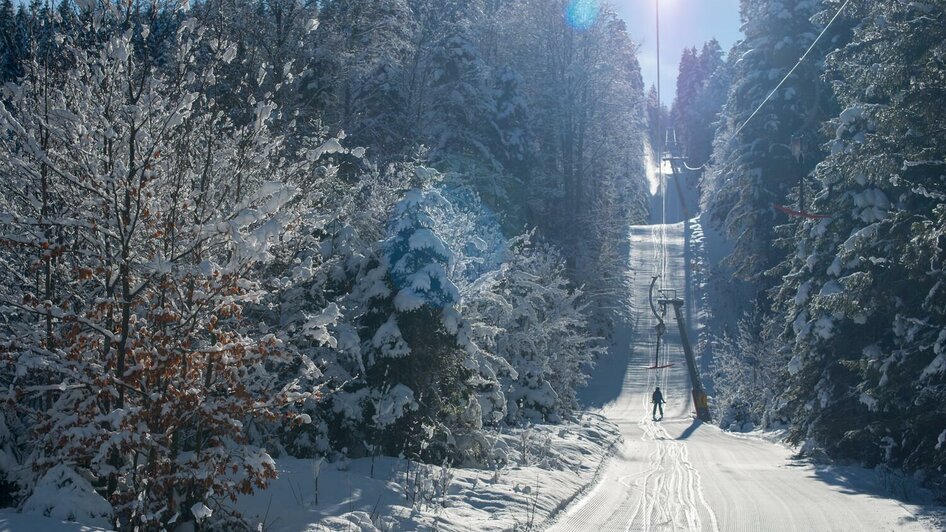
x=679, y=474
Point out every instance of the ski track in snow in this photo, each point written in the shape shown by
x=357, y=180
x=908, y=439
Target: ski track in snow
x=681, y=475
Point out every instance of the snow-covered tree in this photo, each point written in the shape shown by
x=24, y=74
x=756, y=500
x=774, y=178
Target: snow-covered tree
x=865, y=297
x=538, y=325
x=695, y=106
x=587, y=116
x=139, y=212
x=422, y=367
x=359, y=69
x=756, y=169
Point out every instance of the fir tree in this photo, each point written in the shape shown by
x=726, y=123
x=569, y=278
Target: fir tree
x=864, y=300
x=756, y=169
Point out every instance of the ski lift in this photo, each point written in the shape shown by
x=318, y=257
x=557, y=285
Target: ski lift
x=661, y=327
x=670, y=298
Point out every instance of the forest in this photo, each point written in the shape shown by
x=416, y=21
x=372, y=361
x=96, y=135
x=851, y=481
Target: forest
x=833, y=198
x=236, y=229
x=233, y=231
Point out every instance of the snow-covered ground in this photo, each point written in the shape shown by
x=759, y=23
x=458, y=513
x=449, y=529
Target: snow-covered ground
x=680, y=474
x=548, y=467
x=11, y=521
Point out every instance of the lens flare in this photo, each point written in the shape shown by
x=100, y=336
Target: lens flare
x=582, y=14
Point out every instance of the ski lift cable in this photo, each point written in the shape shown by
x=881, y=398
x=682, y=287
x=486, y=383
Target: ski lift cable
x=660, y=132
x=790, y=72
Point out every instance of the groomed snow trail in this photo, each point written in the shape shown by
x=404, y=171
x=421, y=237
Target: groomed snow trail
x=678, y=474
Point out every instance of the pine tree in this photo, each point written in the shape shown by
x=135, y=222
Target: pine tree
x=689, y=85
x=707, y=104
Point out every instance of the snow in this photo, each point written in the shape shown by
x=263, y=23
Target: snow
x=407, y=300
x=804, y=291
x=316, y=327
x=201, y=511
x=329, y=146
x=938, y=365
x=873, y=204
x=11, y=521
x=388, y=338
x=868, y=401
x=425, y=174
x=824, y=327
x=679, y=474
x=548, y=466
x=800, y=326
x=849, y=115
x=230, y=53
x=795, y=365
x=830, y=288
x=62, y=494
x=394, y=405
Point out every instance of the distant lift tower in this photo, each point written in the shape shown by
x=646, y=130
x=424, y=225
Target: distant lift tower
x=669, y=297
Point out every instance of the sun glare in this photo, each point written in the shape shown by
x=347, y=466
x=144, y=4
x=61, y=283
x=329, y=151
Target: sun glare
x=582, y=14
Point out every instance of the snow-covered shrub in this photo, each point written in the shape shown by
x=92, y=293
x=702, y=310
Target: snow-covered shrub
x=308, y=283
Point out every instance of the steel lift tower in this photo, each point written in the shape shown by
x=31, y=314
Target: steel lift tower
x=669, y=298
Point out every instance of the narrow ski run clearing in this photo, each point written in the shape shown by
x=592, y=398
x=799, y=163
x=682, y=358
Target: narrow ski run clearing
x=678, y=474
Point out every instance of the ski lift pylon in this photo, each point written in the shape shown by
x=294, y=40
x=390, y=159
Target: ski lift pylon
x=661, y=327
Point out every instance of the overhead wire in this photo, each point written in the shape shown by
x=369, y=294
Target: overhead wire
x=660, y=374
x=790, y=72
x=661, y=181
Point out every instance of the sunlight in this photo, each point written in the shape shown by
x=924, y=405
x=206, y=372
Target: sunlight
x=653, y=179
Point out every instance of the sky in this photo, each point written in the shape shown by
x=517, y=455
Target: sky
x=683, y=23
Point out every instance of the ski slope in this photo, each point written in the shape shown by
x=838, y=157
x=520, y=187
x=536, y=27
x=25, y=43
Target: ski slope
x=679, y=474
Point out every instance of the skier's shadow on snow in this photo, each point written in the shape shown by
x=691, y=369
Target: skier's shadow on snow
x=690, y=430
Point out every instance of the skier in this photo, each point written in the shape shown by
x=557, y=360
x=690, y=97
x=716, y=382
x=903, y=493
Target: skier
x=658, y=400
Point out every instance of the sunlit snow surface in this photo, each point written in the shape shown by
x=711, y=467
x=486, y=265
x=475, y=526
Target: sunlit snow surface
x=372, y=495
x=582, y=14
x=679, y=474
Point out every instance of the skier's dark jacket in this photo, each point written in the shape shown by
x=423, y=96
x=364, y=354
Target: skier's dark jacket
x=658, y=397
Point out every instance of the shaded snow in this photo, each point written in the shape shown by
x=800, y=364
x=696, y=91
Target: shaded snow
x=62, y=494
x=548, y=466
x=11, y=521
